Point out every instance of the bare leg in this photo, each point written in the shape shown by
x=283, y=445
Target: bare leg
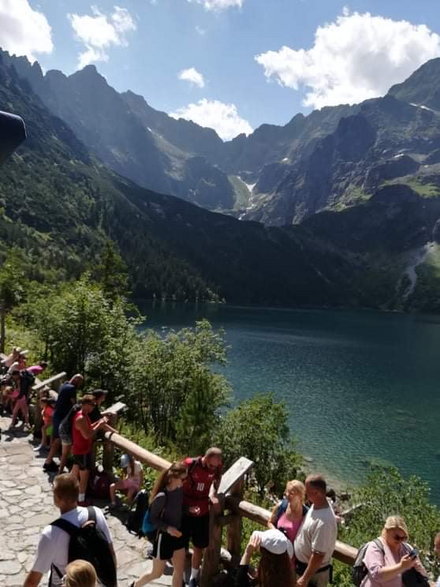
x=83, y=478
x=75, y=471
x=65, y=453
x=15, y=414
x=197, y=557
x=54, y=448
x=155, y=573
x=179, y=566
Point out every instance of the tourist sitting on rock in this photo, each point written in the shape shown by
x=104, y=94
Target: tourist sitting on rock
x=388, y=557
x=289, y=514
x=275, y=566
x=165, y=510
x=66, y=399
x=83, y=432
x=131, y=482
x=80, y=573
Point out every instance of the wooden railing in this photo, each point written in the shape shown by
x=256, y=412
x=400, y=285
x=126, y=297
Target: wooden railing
x=232, y=509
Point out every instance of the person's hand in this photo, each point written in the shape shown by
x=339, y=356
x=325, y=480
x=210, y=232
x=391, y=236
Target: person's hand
x=407, y=562
x=301, y=582
x=174, y=532
x=253, y=544
x=214, y=500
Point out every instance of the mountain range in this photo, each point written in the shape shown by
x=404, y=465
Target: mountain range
x=337, y=208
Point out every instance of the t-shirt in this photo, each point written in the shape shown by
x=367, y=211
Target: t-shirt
x=166, y=509
x=35, y=369
x=317, y=534
x=66, y=394
x=289, y=527
x=53, y=546
x=197, y=485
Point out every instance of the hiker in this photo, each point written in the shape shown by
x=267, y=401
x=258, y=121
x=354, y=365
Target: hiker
x=199, y=490
x=53, y=547
x=80, y=573
x=66, y=399
x=275, y=566
x=385, y=562
x=47, y=409
x=37, y=369
x=289, y=514
x=131, y=482
x=165, y=513
x=23, y=382
x=20, y=362
x=83, y=432
x=11, y=358
x=316, y=539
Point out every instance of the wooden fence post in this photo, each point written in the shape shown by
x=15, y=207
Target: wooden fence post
x=235, y=526
x=108, y=446
x=211, y=557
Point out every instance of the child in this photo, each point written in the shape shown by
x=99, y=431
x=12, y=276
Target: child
x=131, y=482
x=47, y=409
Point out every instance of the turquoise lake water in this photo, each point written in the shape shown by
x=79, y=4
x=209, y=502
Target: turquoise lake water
x=359, y=386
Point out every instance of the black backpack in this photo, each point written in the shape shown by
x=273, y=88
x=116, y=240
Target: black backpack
x=359, y=570
x=137, y=513
x=89, y=543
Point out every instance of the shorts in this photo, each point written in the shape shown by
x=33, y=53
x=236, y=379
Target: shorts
x=49, y=430
x=196, y=530
x=165, y=545
x=66, y=439
x=84, y=462
x=131, y=483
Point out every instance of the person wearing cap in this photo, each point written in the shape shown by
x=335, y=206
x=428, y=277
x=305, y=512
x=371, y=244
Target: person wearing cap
x=316, y=539
x=387, y=561
x=199, y=491
x=83, y=432
x=131, y=482
x=274, y=568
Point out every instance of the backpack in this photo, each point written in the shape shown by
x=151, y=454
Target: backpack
x=148, y=528
x=65, y=427
x=136, y=516
x=89, y=543
x=282, y=508
x=359, y=570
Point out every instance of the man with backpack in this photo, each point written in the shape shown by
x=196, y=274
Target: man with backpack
x=75, y=535
x=199, y=491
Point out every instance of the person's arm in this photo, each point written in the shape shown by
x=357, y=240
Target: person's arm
x=156, y=508
x=315, y=562
x=33, y=579
x=86, y=430
x=378, y=570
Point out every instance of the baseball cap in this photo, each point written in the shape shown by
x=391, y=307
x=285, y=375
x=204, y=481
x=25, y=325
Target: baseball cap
x=125, y=461
x=99, y=392
x=275, y=542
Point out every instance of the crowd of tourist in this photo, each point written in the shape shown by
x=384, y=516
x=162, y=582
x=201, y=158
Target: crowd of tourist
x=296, y=549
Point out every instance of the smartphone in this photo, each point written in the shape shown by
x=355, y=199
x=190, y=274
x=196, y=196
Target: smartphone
x=414, y=553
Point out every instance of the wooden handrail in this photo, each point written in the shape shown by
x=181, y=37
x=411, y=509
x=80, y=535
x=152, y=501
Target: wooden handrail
x=343, y=552
x=40, y=384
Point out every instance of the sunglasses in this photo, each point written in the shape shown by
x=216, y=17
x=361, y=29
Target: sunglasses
x=399, y=537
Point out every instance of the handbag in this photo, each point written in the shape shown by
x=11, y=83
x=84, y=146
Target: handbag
x=412, y=578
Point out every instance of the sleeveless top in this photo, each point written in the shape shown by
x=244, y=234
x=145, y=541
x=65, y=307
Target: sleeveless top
x=80, y=445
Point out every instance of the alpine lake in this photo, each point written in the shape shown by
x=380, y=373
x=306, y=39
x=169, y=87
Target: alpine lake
x=361, y=387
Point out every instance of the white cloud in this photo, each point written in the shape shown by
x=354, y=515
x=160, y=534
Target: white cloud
x=223, y=118
x=24, y=31
x=100, y=31
x=357, y=57
x=193, y=76
x=218, y=5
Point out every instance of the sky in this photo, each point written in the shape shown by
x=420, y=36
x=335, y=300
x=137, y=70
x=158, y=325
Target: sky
x=231, y=65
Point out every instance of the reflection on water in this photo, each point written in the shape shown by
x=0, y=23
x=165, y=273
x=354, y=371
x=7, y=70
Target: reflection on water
x=360, y=386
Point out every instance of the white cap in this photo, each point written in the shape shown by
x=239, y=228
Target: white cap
x=275, y=542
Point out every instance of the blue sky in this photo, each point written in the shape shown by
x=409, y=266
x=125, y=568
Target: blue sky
x=230, y=64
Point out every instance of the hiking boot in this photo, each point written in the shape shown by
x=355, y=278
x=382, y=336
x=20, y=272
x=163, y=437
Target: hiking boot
x=193, y=583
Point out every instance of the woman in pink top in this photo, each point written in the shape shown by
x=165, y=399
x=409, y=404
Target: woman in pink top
x=386, y=568
x=288, y=515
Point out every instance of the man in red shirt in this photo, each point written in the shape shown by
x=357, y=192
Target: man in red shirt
x=82, y=442
x=199, y=490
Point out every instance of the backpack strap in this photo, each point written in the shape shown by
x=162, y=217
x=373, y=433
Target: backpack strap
x=91, y=514
x=379, y=545
x=68, y=527
x=282, y=508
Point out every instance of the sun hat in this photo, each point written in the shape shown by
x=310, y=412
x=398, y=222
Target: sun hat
x=275, y=542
